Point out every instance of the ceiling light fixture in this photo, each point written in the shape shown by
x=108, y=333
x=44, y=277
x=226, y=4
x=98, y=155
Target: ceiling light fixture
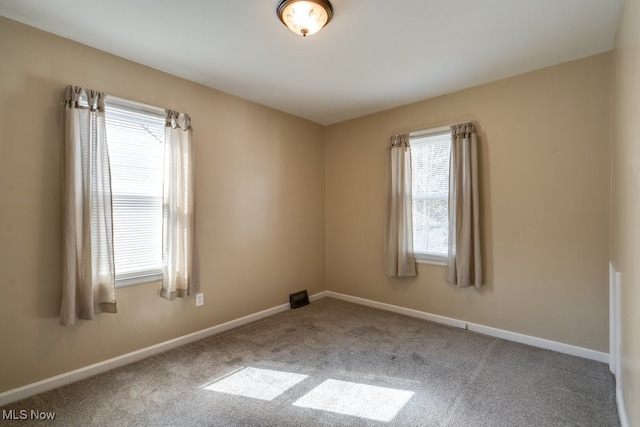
x=305, y=17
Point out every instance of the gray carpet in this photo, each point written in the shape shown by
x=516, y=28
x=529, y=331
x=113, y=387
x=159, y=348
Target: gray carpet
x=351, y=365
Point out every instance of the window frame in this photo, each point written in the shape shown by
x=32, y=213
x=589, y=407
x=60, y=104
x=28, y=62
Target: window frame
x=149, y=275
x=424, y=257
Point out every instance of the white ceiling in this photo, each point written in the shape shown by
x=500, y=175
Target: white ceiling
x=373, y=55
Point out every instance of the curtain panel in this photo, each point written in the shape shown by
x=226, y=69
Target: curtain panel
x=464, y=263
x=178, y=208
x=399, y=258
x=88, y=261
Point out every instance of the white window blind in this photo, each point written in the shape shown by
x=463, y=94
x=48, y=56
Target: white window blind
x=135, y=136
x=430, y=190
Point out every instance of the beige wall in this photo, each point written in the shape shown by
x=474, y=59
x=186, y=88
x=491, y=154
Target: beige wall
x=260, y=208
x=625, y=253
x=544, y=157
x=264, y=181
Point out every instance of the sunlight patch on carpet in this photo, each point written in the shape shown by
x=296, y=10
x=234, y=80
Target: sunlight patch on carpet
x=263, y=384
x=361, y=400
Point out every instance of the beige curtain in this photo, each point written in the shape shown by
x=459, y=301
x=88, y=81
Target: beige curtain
x=178, y=208
x=464, y=265
x=399, y=259
x=88, y=286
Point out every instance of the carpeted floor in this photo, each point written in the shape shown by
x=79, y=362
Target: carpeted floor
x=336, y=363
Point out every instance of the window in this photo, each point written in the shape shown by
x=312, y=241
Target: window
x=135, y=136
x=430, y=191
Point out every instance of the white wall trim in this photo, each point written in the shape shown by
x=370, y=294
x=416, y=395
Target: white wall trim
x=613, y=321
x=618, y=323
x=97, y=368
x=401, y=310
x=318, y=296
x=125, y=359
x=622, y=408
x=486, y=330
x=573, y=350
x=615, y=331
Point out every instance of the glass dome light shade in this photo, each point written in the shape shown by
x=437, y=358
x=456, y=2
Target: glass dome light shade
x=305, y=17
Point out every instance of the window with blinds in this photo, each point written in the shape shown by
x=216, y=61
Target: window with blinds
x=430, y=190
x=135, y=136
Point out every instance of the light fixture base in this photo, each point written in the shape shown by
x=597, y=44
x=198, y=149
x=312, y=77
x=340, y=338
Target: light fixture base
x=304, y=17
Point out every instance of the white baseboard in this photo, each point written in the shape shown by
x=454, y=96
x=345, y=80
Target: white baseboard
x=622, y=408
x=317, y=296
x=97, y=368
x=613, y=324
x=397, y=309
x=486, y=330
x=540, y=342
x=615, y=327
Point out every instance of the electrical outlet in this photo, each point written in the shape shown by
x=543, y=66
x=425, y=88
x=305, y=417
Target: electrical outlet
x=199, y=299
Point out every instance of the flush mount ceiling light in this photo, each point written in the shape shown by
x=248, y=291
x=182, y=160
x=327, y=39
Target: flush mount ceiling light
x=305, y=17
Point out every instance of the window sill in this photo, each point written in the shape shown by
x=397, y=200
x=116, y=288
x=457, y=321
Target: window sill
x=430, y=259
x=138, y=280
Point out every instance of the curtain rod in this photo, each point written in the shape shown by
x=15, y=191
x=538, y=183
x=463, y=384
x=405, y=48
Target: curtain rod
x=123, y=102
x=433, y=130
x=130, y=103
